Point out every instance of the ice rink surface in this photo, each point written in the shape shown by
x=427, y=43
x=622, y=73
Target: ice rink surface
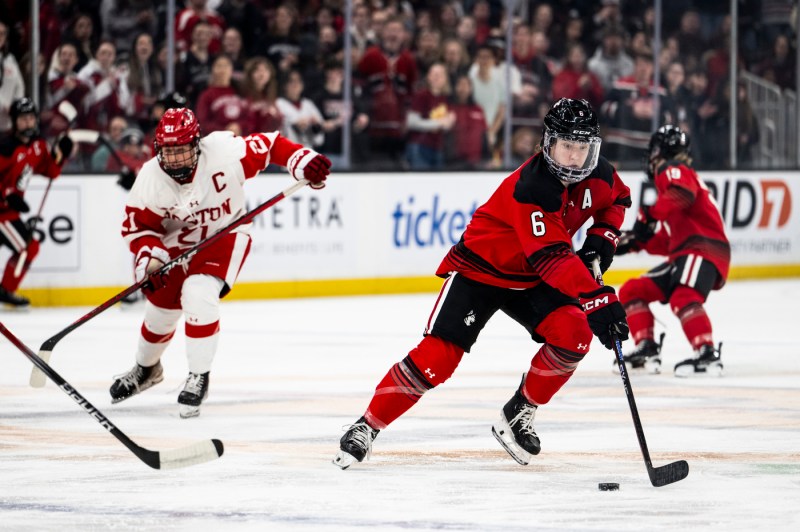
x=290, y=374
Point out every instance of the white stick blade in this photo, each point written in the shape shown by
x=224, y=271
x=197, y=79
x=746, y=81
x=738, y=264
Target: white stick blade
x=197, y=453
x=84, y=136
x=38, y=379
x=67, y=110
x=21, y=262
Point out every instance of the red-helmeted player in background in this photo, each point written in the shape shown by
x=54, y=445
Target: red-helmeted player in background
x=193, y=188
x=692, y=235
x=516, y=256
x=23, y=154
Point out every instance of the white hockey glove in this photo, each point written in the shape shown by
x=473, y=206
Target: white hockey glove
x=149, y=260
x=305, y=163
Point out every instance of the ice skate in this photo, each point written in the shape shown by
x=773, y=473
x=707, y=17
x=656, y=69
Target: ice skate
x=645, y=356
x=707, y=361
x=13, y=299
x=356, y=444
x=194, y=393
x=515, y=431
x=135, y=381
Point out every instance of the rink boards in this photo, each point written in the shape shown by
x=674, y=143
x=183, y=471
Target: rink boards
x=371, y=233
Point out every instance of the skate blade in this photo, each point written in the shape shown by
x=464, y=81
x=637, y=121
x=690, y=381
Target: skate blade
x=187, y=411
x=502, y=433
x=653, y=367
x=343, y=460
x=140, y=390
x=688, y=370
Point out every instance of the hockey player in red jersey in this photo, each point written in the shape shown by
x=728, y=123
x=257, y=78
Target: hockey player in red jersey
x=193, y=188
x=692, y=236
x=23, y=154
x=516, y=256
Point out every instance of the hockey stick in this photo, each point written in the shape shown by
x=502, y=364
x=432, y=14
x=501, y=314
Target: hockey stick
x=196, y=453
x=23, y=255
x=37, y=379
x=659, y=476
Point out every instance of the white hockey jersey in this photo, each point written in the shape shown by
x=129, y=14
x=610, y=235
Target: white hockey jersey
x=161, y=212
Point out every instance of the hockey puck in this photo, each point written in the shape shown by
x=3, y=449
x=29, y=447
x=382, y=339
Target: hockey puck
x=608, y=486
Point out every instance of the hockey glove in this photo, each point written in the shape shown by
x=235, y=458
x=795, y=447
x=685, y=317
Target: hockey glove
x=305, y=163
x=62, y=149
x=605, y=314
x=645, y=225
x=148, y=261
x=599, y=244
x=627, y=243
x=126, y=178
x=17, y=202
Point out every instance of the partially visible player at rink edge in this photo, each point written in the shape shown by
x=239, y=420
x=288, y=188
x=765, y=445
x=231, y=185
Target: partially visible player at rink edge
x=692, y=236
x=23, y=153
x=516, y=256
x=192, y=188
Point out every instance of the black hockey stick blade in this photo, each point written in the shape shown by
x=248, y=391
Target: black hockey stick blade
x=196, y=453
x=668, y=474
x=659, y=476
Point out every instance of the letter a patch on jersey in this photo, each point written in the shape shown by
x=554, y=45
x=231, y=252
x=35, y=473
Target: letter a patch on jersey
x=587, y=199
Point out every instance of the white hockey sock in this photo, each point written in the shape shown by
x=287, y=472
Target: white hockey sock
x=200, y=301
x=157, y=330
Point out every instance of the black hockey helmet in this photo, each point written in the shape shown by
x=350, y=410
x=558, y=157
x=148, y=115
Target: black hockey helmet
x=668, y=142
x=22, y=106
x=575, y=122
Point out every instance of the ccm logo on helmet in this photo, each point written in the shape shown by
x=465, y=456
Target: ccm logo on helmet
x=595, y=303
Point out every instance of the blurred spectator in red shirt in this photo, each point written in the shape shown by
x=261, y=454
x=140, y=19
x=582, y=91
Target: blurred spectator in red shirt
x=260, y=91
x=388, y=73
x=467, y=139
x=429, y=118
x=63, y=84
x=575, y=81
x=185, y=21
x=108, y=90
x=220, y=107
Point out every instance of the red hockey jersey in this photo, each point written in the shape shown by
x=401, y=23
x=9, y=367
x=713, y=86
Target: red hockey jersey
x=18, y=162
x=690, y=219
x=523, y=234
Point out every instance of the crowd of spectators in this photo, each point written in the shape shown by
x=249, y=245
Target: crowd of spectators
x=429, y=77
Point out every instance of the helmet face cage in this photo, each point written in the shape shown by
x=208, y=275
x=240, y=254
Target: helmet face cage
x=21, y=107
x=178, y=127
x=573, y=121
x=571, y=174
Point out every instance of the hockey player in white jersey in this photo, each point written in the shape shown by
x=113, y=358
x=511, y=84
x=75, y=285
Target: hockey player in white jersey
x=191, y=189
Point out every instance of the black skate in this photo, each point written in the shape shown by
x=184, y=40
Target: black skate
x=13, y=299
x=515, y=431
x=194, y=393
x=135, y=381
x=707, y=361
x=645, y=356
x=356, y=444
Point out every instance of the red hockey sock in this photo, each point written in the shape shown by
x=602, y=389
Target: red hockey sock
x=551, y=368
x=429, y=364
x=696, y=325
x=640, y=320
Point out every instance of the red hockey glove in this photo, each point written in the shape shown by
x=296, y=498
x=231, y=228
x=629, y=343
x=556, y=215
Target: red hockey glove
x=305, y=163
x=600, y=244
x=605, y=314
x=627, y=243
x=148, y=261
x=645, y=225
